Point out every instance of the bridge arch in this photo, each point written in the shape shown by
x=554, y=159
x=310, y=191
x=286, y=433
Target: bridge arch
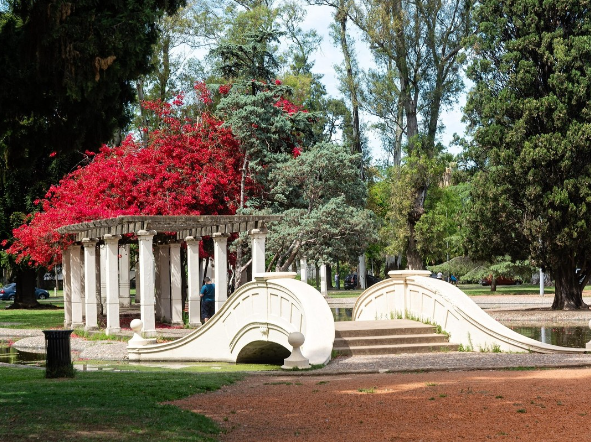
x=255, y=322
x=413, y=294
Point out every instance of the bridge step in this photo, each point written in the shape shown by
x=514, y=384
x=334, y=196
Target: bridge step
x=363, y=341
x=394, y=349
x=388, y=337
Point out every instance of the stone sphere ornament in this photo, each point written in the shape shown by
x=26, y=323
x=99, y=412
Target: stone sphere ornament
x=136, y=325
x=296, y=339
x=138, y=340
x=296, y=360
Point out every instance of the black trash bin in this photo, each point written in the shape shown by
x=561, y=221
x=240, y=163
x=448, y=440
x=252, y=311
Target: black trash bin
x=58, y=361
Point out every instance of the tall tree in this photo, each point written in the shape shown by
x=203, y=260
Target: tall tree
x=66, y=76
x=349, y=72
x=530, y=115
x=423, y=39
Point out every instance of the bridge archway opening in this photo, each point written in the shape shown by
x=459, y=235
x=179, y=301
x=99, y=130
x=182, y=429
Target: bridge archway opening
x=262, y=352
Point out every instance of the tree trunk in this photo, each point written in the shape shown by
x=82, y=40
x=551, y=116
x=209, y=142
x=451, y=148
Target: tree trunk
x=341, y=17
x=25, y=292
x=289, y=257
x=143, y=114
x=568, y=294
x=493, y=284
x=414, y=261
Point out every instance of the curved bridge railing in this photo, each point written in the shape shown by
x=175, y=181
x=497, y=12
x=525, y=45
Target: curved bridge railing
x=412, y=294
x=254, y=325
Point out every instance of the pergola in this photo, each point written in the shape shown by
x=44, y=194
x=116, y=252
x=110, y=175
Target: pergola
x=158, y=274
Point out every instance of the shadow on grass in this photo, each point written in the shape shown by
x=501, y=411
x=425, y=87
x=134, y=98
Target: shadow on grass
x=104, y=406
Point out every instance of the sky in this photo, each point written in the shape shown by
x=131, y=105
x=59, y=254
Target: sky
x=320, y=18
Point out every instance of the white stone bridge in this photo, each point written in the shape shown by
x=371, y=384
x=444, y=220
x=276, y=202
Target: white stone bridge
x=253, y=326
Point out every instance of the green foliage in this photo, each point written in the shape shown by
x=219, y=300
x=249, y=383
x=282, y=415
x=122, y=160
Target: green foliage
x=66, y=87
x=268, y=133
x=69, y=69
x=251, y=58
x=530, y=115
x=468, y=270
x=420, y=169
x=95, y=405
x=441, y=231
x=322, y=199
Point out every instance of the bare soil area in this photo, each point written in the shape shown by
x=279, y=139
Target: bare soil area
x=537, y=405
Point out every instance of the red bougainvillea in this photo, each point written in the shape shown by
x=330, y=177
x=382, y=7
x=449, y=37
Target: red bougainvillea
x=188, y=168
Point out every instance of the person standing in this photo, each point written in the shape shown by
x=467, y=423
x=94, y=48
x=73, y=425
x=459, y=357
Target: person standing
x=207, y=295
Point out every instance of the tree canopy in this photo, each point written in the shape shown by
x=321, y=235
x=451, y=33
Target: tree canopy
x=188, y=168
x=323, y=201
x=66, y=73
x=67, y=69
x=530, y=115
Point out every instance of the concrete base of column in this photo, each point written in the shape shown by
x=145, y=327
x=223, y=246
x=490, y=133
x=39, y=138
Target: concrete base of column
x=112, y=331
x=194, y=313
x=150, y=333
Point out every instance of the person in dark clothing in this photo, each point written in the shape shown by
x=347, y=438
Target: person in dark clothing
x=207, y=295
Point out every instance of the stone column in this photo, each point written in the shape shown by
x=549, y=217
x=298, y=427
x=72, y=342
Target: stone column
x=76, y=286
x=157, y=284
x=90, y=283
x=193, y=280
x=304, y=270
x=146, y=283
x=220, y=256
x=258, y=251
x=99, y=305
x=138, y=291
x=67, y=281
x=124, y=296
x=176, y=298
x=362, y=272
x=103, y=274
x=323, y=282
x=112, y=282
x=163, y=284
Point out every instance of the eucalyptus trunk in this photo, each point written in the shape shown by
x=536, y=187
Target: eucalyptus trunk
x=341, y=18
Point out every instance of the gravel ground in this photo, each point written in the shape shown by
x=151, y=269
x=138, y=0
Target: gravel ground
x=81, y=349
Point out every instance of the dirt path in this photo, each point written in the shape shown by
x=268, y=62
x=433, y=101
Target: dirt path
x=540, y=405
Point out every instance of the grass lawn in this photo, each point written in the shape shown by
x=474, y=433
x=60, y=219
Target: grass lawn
x=344, y=293
x=189, y=367
x=104, y=406
x=523, y=289
x=38, y=319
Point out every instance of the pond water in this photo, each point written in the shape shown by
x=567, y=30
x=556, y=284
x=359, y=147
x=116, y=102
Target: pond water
x=342, y=314
x=576, y=337
x=11, y=355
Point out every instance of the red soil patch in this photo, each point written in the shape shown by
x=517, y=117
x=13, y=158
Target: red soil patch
x=541, y=405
